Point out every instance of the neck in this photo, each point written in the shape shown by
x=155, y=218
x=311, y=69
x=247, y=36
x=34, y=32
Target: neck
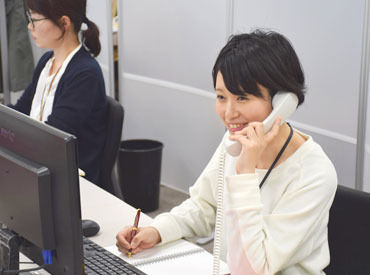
x=62, y=51
x=272, y=150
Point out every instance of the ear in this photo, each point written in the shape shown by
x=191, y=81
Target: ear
x=65, y=22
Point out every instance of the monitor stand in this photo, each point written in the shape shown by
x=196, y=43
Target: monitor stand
x=9, y=250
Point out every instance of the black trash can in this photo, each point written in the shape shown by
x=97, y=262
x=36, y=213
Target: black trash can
x=139, y=172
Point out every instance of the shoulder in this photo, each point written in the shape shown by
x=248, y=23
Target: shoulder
x=84, y=72
x=315, y=166
x=314, y=157
x=82, y=61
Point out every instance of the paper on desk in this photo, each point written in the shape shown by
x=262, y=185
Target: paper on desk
x=179, y=257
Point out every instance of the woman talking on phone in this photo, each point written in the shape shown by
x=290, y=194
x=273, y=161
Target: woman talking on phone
x=67, y=90
x=277, y=192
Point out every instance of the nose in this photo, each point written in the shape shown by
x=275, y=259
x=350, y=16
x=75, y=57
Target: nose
x=231, y=111
x=29, y=26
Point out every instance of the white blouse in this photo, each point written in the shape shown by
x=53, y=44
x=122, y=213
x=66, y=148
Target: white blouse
x=44, y=97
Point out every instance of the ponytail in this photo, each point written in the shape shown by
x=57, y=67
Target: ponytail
x=90, y=37
x=76, y=11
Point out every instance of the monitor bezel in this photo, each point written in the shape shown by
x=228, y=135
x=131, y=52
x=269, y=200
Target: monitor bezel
x=29, y=139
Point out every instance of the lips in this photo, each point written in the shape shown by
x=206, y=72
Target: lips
x=234, y=127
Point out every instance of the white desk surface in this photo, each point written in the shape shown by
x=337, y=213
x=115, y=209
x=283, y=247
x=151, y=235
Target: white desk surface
x=111, y=213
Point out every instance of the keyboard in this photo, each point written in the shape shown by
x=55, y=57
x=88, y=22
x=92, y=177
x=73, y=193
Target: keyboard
x=100, y=261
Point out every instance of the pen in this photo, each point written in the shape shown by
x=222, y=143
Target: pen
x=134, y=229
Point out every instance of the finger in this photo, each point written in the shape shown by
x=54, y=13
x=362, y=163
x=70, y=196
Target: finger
x=243, y=131
x=122, y=240
x=258, y=128
x=254, y=124
x=121, y=248
x=237, y=137
x=126, y=231
x=251, y=133
x=136, y=241
x=246, y=132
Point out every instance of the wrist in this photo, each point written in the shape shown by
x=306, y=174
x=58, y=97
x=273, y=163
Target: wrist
x=246, y=171
x=157, y=238
x=248, y=168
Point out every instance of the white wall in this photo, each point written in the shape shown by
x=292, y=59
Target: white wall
x=100, y=12
x=181, y=117
x=169, y=50
x=167, y=44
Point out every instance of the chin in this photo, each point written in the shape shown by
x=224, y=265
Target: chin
x=40, y=45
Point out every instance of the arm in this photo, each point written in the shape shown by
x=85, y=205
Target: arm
x=24, y=103
x=196, y=215
x=265, y=243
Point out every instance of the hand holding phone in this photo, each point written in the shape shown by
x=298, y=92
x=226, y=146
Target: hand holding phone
x=283, y=103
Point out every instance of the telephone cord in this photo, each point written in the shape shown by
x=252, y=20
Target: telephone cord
x=219, y=215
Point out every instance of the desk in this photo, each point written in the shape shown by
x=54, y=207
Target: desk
x=111, y=213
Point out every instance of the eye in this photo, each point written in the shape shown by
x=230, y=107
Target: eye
x=220, y=97
x=242, y=98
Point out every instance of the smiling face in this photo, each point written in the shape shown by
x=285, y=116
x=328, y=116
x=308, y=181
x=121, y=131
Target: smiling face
x=237, y=111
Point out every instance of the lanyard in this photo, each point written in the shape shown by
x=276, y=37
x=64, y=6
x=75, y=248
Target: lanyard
x=43, y=102
x=278, y=155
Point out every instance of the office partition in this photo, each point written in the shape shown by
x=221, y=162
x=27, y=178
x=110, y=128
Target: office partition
x=168, y=50
x=330, y=51
x=362, y=144
x=366, y=165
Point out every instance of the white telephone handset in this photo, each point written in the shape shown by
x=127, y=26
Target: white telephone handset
x=283, y=103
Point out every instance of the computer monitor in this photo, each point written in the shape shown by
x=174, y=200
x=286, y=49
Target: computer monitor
x=39, y=190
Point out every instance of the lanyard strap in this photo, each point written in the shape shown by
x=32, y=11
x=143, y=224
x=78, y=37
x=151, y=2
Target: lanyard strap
x=43, y=103
x=278, y=155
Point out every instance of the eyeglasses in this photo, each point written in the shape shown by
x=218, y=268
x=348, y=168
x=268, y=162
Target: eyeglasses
x=33, y=20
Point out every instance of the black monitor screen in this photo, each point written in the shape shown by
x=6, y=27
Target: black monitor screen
x=39, y=190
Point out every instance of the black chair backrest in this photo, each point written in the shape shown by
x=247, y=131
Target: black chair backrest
x=349, y=233
x=112, y=142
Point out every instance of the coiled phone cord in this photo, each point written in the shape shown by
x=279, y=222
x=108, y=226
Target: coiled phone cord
x=219, y=215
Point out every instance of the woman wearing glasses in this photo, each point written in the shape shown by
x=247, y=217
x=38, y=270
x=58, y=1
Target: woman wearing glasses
x=67, y=90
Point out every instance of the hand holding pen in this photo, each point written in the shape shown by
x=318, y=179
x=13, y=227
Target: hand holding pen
x=134, y=229
x=131, y=241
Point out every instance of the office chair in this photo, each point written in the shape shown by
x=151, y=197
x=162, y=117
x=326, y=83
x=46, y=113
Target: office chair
x=111, y=146
x=349, y=233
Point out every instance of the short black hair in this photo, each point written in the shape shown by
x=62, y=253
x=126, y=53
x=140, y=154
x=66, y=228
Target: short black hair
x=260, y=57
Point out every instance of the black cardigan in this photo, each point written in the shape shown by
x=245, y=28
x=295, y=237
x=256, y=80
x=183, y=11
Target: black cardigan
x=79, y=108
